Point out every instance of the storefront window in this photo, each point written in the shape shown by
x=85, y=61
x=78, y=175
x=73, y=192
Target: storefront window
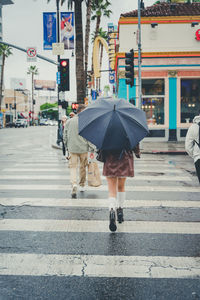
x=153, y=95
x=190, y=99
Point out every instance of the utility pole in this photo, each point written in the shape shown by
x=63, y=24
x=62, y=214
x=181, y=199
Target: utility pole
x=139, y=56
x=33, y=119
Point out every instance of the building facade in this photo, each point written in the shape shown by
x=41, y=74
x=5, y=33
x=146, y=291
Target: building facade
x=170, y=65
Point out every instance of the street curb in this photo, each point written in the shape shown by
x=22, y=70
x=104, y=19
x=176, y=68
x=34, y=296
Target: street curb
x=56, y=147
x=165, y=152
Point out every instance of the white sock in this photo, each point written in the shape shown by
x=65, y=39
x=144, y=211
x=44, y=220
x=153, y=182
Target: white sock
x=112, y=203
x=120, y=199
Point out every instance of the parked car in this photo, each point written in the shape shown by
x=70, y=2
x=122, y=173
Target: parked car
x=10, y=124
x=43, y=122
x=21, y=123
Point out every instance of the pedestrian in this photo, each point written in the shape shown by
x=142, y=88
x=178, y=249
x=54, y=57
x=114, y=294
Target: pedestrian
x=72, y=114
x=61, y=131
x=192, y=143
x=77, y=148
x=118, y=165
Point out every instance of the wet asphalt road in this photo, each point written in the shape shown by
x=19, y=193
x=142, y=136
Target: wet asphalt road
x=43, y=232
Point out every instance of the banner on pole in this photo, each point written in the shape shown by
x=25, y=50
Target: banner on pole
x=49, y=30
x=67, y=29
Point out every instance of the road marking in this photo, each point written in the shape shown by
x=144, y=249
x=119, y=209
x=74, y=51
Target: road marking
x=55, y=202
x=99, y=226
x=150, y=188
x=99, y=266
x=65, y=168
x=67, y=177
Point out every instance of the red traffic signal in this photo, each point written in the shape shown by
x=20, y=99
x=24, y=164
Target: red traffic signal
x=74, y=106
x=64, y=75
x=63, y=63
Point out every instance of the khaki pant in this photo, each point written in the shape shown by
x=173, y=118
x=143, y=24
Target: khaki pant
x=78, y=160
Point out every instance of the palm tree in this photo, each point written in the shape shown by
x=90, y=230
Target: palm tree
x=33, y=71
x=80, y=75
x=100, y=8
x=5, y=51
x=87, y=36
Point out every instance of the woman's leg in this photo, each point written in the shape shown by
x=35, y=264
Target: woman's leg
x=121, y=194
x=112, y=190
x=121, y=184
x=112, y=186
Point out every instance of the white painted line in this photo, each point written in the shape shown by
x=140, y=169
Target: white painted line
x=67, y=177
x=65, y=168
x=159, y=167
x=99, y=266
x=99, y=226
x=104, y=203
x=150, y=188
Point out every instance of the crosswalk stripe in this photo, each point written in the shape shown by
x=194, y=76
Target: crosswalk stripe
x=63, y=169
x=150, y=188
x=63, y=163
x=67, y=177
x=99, y=266
x=95, y=202
x=99, y=226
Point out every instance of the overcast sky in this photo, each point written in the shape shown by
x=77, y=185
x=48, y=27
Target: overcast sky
x=23, y=26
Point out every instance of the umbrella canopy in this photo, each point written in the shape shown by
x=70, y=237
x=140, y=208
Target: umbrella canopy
x=113, y=124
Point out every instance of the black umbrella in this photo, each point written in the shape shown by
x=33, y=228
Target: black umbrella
x=113, y=124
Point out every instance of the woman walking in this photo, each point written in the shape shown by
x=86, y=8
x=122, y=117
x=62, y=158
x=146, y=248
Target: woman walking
x=118, y=165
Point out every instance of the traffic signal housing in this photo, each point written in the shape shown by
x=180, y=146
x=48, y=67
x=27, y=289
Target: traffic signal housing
x=64, y=75
x=75, y=106
x=129, y=67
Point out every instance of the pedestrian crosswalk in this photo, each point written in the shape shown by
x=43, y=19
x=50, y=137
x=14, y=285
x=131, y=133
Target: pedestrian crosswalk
x=46, y=233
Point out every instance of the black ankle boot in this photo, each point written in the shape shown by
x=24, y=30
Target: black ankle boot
x=112, y=226
x=120, y=215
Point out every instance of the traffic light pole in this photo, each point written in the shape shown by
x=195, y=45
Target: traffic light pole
x=139, y=56
x=58, y=59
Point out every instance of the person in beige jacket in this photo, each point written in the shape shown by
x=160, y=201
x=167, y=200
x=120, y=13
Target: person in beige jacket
x=77, y=148
x=192, y=143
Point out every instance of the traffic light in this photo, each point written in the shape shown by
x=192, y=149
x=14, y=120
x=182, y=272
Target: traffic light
x=64, y=75
x=74, y=106
x=129, y=61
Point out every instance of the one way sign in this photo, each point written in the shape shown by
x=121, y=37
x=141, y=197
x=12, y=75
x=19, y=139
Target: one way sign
x=31, y=54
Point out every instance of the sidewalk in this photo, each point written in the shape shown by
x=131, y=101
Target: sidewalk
x=175, y=148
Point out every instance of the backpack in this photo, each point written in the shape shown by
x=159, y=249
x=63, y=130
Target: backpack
x=199, y=136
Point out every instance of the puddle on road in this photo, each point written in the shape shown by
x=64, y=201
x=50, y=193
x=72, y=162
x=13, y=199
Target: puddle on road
x=151, y=173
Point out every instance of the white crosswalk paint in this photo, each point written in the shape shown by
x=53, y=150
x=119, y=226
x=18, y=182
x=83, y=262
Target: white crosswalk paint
x=42, y=187
x=65, y=168
x=67, y=177
x=99, y=226
x=49, y=202
x=99, y=266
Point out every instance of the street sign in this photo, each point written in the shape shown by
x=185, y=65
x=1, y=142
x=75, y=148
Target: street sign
x=111, y=77
x=58, y=77
x=58, y=48
x=31, y=54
